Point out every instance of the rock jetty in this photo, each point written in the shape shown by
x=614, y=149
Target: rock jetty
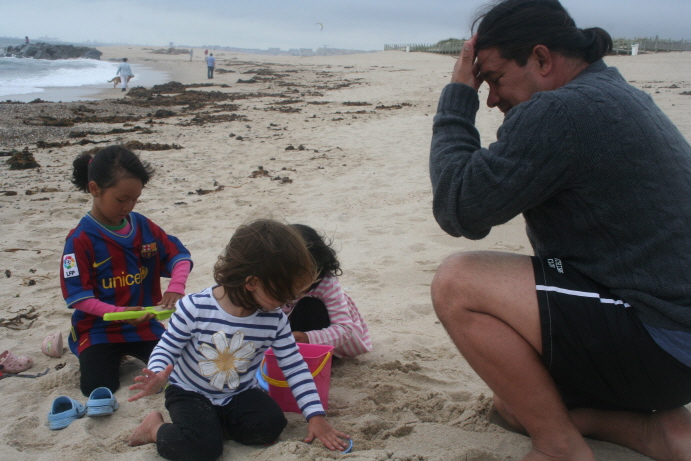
x=47, y=51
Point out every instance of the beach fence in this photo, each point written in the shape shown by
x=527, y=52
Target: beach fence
x=621, y=46
x=453, y=48
x=650, y=45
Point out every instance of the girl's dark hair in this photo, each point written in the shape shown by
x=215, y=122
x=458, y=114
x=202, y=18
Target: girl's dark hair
x=274, y=253
x=324, y=256
x=108, y=166
x=515, y=27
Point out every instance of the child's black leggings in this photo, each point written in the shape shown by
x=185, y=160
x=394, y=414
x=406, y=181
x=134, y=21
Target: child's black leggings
x=309, y=314
x=100, y=364
x=199, y=427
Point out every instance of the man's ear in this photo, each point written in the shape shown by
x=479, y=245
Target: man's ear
x=94, y=190
x=543, y=56
x=251, y=283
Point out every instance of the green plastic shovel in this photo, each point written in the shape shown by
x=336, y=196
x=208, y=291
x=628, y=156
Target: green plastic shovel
x=128, y=315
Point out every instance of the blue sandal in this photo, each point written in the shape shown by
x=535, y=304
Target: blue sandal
x=101, y=402
x=64, y=411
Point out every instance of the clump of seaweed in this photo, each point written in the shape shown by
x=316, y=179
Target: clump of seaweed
x=48, y=144
x=138, y=145
x=202, y=119
x=146, y=98
x=22, y=160
x=46, y=120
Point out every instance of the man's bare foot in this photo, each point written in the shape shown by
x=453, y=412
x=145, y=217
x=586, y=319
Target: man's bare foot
x=536, y=455
x=662, y=435
x=564, y=446
x=575, y=450
x=669, y=435
x=566, y=449
x=146, y=431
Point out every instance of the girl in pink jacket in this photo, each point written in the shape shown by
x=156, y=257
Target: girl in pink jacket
x=325, y=314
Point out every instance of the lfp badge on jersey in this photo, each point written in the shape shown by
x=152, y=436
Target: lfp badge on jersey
x=69, y=266
x=149, y=250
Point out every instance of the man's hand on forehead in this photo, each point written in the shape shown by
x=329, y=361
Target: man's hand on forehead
x=466, y=69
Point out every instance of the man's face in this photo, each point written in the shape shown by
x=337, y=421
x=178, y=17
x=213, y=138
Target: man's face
x=509, y=83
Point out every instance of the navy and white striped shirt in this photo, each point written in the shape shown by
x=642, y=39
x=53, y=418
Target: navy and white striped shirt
x=217, y=354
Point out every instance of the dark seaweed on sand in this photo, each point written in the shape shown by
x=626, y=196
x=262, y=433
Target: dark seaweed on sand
x=22, y=160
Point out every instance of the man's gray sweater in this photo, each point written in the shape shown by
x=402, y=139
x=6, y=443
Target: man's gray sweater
x=601, y=175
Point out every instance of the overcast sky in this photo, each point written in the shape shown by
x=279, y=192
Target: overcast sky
x=352, y=24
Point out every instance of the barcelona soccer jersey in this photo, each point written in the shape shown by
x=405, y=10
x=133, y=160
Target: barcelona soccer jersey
x=118, y=269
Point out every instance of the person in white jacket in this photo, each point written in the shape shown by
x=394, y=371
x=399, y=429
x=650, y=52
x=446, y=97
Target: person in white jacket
x=125, y=73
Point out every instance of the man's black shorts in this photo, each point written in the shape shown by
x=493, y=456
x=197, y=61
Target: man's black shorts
x=599, y=353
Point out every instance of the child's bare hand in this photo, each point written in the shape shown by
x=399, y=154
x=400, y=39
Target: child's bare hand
x=150, y=383
x=169, y=299
x=137, y=321
x=301, y=337
x=332, y=439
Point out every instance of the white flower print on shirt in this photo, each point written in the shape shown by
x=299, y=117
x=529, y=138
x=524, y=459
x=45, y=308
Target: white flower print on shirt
x=226, y=361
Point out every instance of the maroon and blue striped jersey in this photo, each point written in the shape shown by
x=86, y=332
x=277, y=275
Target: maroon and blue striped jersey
x=122, y=270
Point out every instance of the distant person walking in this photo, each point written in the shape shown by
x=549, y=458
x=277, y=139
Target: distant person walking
x=26, y=40
x=125, y=73
x=206, y=53
x=210, y=64
x=191, y=53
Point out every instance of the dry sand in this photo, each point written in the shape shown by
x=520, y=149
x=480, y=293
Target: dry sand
x=356, y=172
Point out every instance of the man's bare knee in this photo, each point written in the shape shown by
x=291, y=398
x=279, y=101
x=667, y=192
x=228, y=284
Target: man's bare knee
x=484, y=281
x=454, y=282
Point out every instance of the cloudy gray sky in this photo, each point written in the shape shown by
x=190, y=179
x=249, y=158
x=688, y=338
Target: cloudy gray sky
x=354, y=24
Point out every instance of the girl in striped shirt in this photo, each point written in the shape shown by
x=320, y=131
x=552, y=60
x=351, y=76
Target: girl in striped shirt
x=325, y=314
x=214, y=344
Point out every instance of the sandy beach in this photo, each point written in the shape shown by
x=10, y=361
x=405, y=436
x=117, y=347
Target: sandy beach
x=337, y=142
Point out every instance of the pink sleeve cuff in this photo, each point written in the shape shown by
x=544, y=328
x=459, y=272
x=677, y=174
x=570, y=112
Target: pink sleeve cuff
x=95, y=307
x=178, y=278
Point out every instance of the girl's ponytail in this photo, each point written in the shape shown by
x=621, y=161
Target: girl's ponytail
x=600, y=44
x=108, y=166
x=80, y=172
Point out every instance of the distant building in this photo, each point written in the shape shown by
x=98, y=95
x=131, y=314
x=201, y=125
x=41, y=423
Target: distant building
x=306, y=52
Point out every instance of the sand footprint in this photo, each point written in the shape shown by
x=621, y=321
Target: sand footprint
x=22, y=435
x=417, y=247
x=66, y=378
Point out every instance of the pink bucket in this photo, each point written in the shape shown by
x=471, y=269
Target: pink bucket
x=318, y=360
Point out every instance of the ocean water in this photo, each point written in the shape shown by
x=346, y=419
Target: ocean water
x=24, y=79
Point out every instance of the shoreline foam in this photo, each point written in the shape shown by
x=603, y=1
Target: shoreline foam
x=146, y=76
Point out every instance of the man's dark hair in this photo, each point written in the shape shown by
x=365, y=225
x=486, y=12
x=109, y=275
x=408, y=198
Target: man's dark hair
x=515, y=27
